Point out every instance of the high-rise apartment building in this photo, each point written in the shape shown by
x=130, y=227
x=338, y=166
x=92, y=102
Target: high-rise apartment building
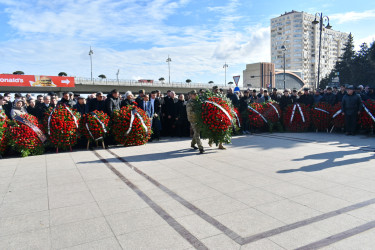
x=300, y=37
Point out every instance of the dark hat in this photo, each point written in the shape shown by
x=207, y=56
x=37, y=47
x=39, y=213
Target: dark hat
x=6, y=94
x=329, y=88
x=350, y=87
x=193, y=92
x=274, y=89
x=76, y=95
x=215, y=87
x=99, y=93
x=142, y=91
x=305, y=89
x=17, y=95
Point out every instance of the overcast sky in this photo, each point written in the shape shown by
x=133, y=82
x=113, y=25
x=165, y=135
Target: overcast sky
x=136, y=36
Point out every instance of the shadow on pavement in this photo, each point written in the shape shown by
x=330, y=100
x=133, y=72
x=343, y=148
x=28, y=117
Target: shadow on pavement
x=329, y=162
x=154, y=156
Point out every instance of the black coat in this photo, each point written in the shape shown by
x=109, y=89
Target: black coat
x=285, y=101
x=306, y=99
x=111, y=104
x=95, y=104
x=275, y=97
x=181, y=113
x=234, y=99
x=169, y=108
x=351, y=104
x=339, y=96
x=69, y=103
x=81, y=108
x=244, y=102
x=329, y=98
x=41, y=109
x=127, y=102
x=32, y=110
x=7, y=108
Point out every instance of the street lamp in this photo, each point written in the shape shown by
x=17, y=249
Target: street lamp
x=283, y=48
x=321, y=21
x=118, y=72
x=90, y=54
x=225, y=66
x=169, y=60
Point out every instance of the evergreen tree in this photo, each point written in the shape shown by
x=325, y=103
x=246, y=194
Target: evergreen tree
x=343, y=66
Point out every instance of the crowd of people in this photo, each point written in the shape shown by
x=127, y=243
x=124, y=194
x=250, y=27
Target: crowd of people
x=169, y=110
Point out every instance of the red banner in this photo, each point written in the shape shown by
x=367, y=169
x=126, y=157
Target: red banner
x=36, y=81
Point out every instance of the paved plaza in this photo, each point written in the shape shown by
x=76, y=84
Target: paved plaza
x=266, y=191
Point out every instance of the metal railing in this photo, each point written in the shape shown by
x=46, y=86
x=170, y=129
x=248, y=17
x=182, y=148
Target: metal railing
x=120, y=82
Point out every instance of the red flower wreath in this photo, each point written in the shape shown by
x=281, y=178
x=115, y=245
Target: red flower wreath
x=255, y=118
x=23, y=139
x=338, y=120
x=129, y=134
x=272, y=112
x=297, y=122
x=322, y=115
x=213, y=117
x=3, y=131
x=61, y=126
x=365, y=119
x=91, y=128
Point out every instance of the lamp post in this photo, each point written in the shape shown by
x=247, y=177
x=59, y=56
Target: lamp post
x=118, y=72
x=283, y=48
x=90, y=54
x=225, y=66
x=321, y=25
x=169, y=60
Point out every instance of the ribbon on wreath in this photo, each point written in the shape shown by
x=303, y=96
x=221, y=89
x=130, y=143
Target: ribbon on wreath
x=300, y=111
x=37, y=131
x=134, y=113
x=368, y=112
x=100, y=122
x=325, y=111
x=71, y=113
x=277, y=112
x=222, y=109
x=88, y=130
x=256, y=111
x=238, y=120
x=49, y=120
x=337, y=113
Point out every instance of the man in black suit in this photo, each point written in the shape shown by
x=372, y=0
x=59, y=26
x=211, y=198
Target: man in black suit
x=97, y=103
x=169, y=112
x=351, y=106
x=43, y=107
x=155, y=108
x=306, y=98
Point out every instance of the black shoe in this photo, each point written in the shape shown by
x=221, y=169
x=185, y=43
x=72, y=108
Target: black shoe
x=193, y=147
x=201, y=151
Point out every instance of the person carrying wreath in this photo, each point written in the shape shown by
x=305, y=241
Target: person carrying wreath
x=193, y=121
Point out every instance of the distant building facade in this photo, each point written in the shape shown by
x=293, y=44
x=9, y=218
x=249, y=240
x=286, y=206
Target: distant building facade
x=259, y=75
x=301, y=38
